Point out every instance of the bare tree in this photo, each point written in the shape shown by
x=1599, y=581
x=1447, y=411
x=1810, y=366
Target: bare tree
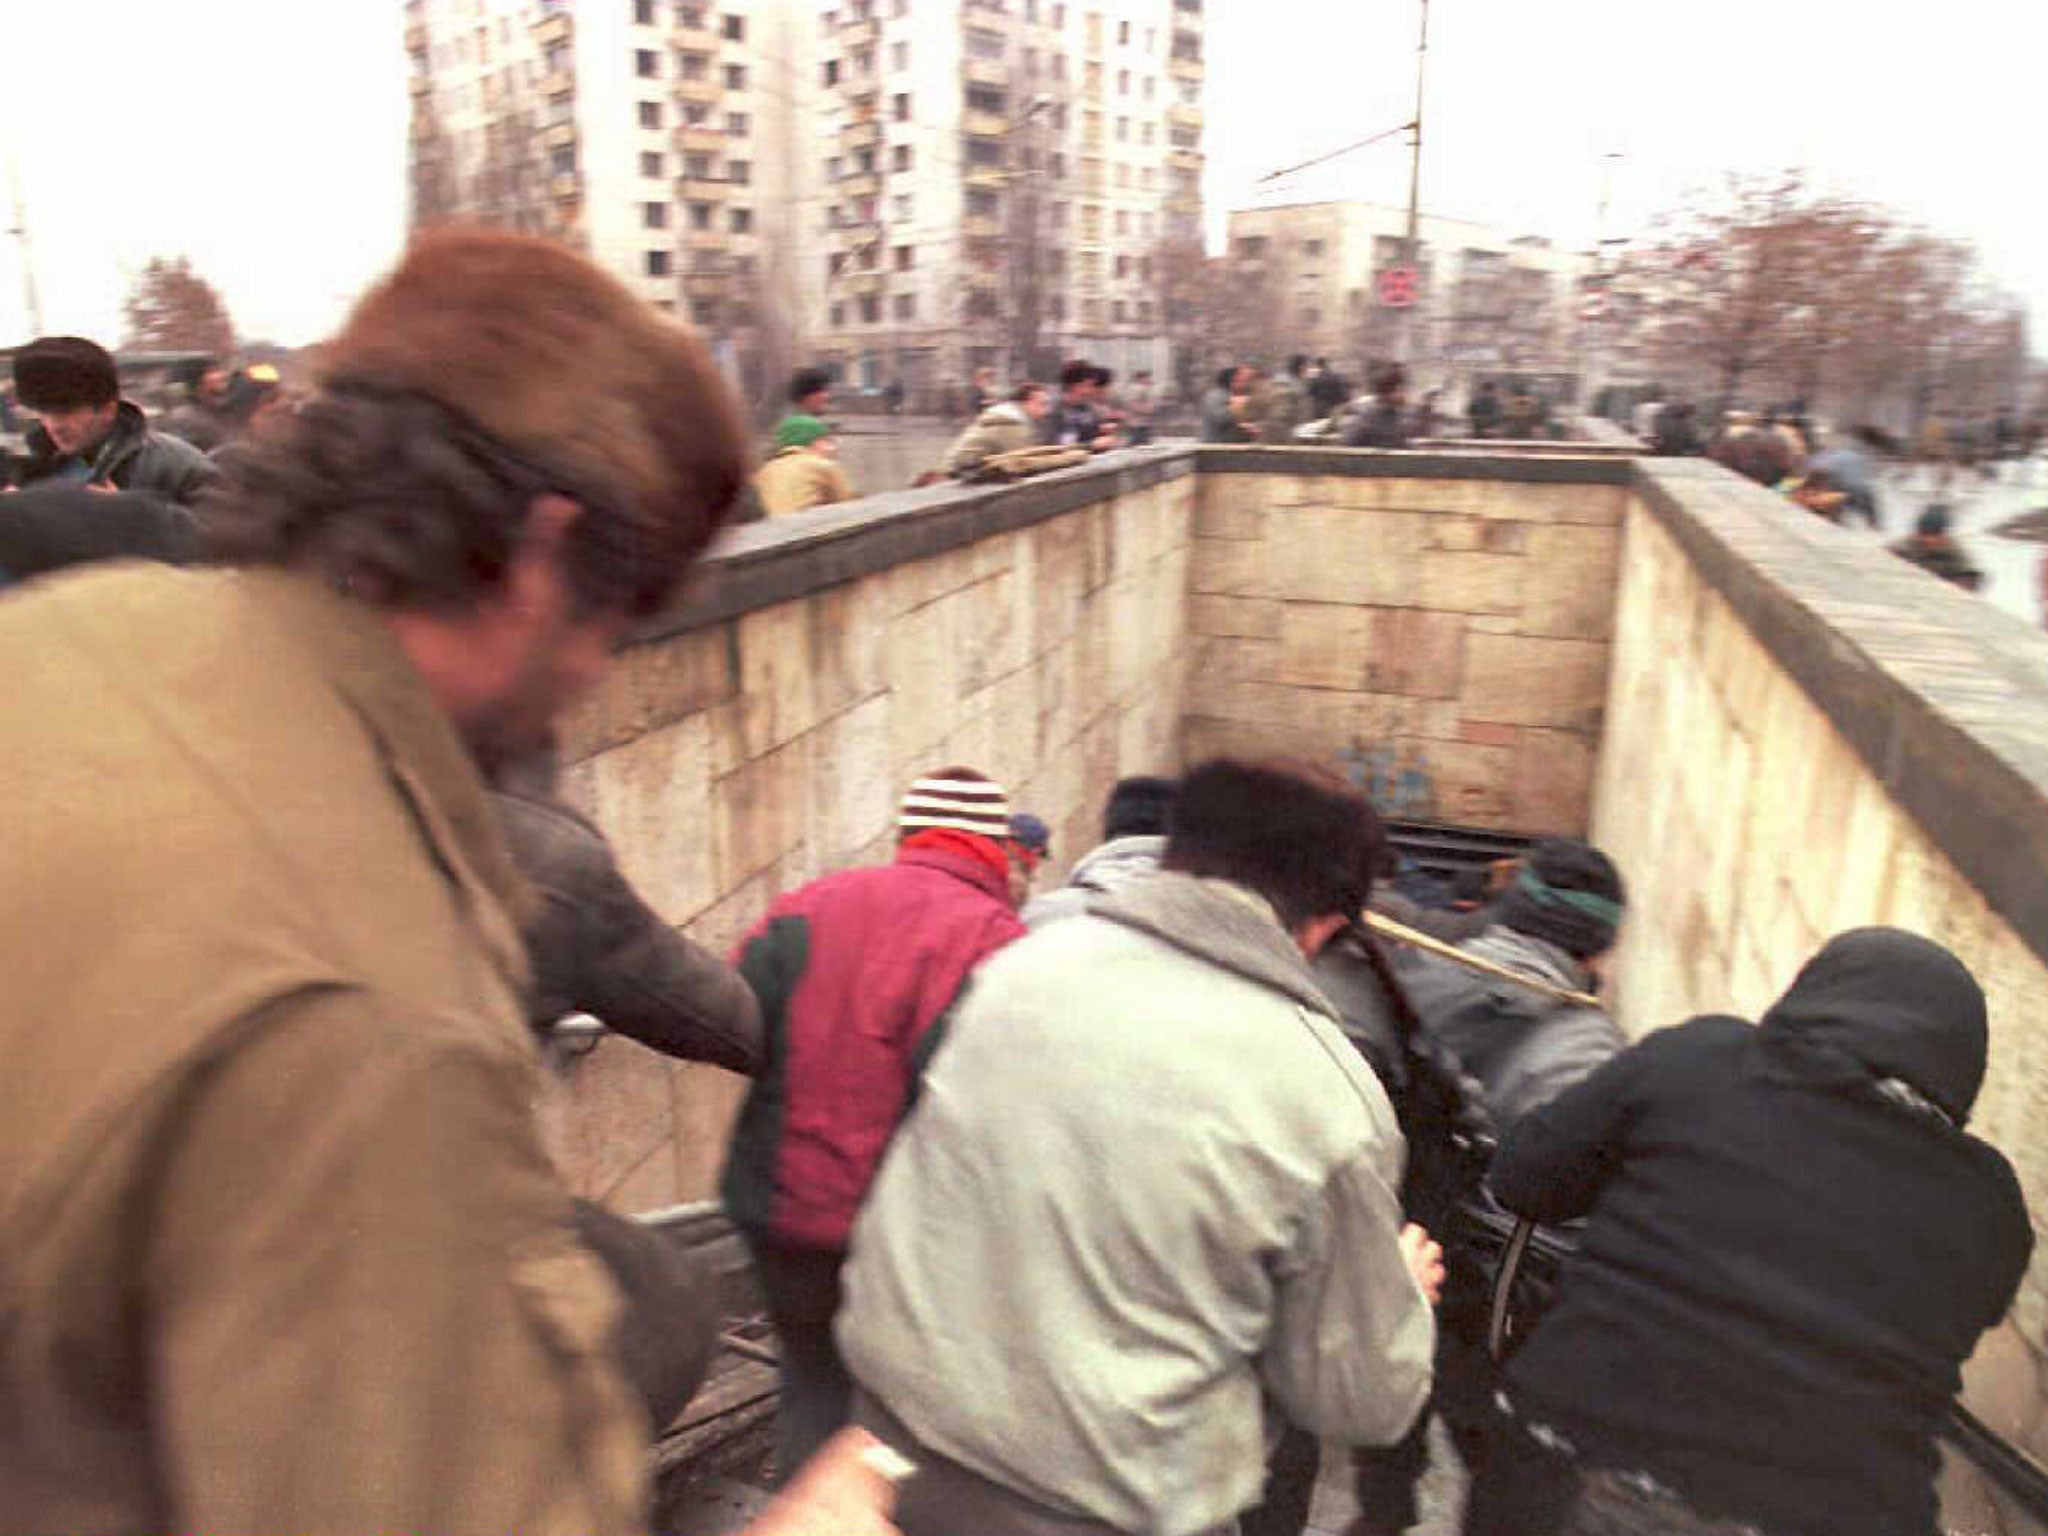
x=1216, y=310
x=173, y=308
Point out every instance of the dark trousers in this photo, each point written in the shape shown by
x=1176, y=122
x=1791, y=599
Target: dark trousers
x=801, y=1287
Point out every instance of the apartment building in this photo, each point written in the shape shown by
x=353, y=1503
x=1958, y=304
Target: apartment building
x=658, y=135
x=911, y=189
x=1489, y=302
x=992, y=180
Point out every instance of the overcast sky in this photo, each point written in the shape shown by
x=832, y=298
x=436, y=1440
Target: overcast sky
x=265, y=139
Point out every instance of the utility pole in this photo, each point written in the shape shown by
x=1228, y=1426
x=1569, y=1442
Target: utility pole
x=1412, y=245
x=1595, y=307
x=19, y=230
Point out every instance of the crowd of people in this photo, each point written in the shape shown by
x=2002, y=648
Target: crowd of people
x=1096, y=1212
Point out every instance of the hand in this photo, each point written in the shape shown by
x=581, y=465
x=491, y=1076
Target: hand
x=1425, y=1258
x=847, y=1489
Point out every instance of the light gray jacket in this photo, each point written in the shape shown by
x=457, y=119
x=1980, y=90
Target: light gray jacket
x=1147, y=1180
x=1100, y=870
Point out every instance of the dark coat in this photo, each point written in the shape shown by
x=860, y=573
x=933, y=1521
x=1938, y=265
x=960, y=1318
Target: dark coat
x=597, y=948
x=133, y=458
x=1790, y=1247
x=49, y=527
x=854, y=972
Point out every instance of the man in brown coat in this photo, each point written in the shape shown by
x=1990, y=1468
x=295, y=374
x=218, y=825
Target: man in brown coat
x=280, y=1248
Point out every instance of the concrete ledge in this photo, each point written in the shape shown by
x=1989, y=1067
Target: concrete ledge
x=785, y=558
x=1943, y=697
x=1537, y=464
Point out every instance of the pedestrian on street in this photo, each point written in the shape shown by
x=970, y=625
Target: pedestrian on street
x=86, y=434
x=285, y=1251
x=204, y=419
x=1148, y=1184
x=854, y=973
x=1385, y=421
x=1791, y=1246
x=1076, y=419
x=1484, y=410
x=804, y=471
x=1934, y=548
x=1005, y=428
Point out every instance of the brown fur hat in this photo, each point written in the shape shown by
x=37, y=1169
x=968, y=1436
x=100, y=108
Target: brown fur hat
x=563, y=366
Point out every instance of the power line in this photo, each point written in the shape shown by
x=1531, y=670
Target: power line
x=1336, y=153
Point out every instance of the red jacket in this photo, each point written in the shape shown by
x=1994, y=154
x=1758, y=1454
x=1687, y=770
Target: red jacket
x=854, y=973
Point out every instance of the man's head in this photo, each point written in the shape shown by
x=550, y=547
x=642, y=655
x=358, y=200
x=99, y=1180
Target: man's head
x=1291, y=832
x=810, y=391
x=210, y=387
x=1030, y=845
x=1035, y=398
x=1569, y=894
x=1932, y=526
x=71, y=387
x=1242, y=378
x=1079, y=381
x=511, y=458
x=805, y=432
x=1140, y=806
x=1298, y=364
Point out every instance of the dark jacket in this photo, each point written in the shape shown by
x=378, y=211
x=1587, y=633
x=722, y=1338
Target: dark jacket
x=597, y=948
x=199, y=424
x=1381, y=427
x=854, y=972
x=1522, y=1047
x=1790, y=1246
x=1945, y=560
x=49, y=527
x=133, y=458
x=1072, y=423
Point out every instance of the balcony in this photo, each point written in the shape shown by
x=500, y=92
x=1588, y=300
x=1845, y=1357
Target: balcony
x=862, y=285
x=706, y=240
x=1185, y=69
x=1187, y=160
x=986, y=178
x=862, y=133
x=423, y=85
x=711, y=282
x=1184, y=114
x=981, y=226
x=859, y=32
x=557, y=83
x=858, y=186
x=558, y=135
x=703, y=189
x=566, y=187
x=416, y=38
x=555, y=27
x=986, y=125
x=702, y=138
x=985, y=72
x=704, y=92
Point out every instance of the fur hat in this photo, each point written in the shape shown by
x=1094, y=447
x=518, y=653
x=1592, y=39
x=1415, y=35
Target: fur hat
x=562, y=365
x=62, y=373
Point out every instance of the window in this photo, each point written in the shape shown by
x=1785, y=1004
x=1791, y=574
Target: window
x=1311, y=247
x=1123, y=130
x=838, y=316
x=864, y=162
x=870, y=258
x=646, y=63
x=643, y=13
x=1058, y=164
x=654, y=215
x=831, y=71
x=905, y=257
x=1123, y=82
x=694, y=66
x=832, y=169
x=1117, y=312
x=1145, y=179
x=697, y=167
x=734, y=29
x=650, y=114
x=1123, y=174
x=899, y=56
x=1057, y=308
x=870, y=310
x=650, y=162
x=1123, y=226
x=985, y=98
x=562, y=162
x=700, y=215
x=1151, y=87
x=899, y=106
x=982, y=203
x=1059, y=72
x=736, y=77
x=1146, y=225
x=737, y=124
x=899, y=208
x=696, y=114
x=899, y=158
x=835, y=264
x=739, y=172
x=983, y=44
x=657, y=263
x=1123, y=266
x=1059, y=15
x=984, y=152
x=742, y=221
x=863, y=61
x=899, y=8
x=1123, y=34
x=906, y=306
x=690, y=17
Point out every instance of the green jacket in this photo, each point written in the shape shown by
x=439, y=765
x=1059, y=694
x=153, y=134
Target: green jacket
x=284, y=1249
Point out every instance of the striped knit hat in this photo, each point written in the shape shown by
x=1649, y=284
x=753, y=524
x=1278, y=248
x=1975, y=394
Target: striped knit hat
x=959, y=799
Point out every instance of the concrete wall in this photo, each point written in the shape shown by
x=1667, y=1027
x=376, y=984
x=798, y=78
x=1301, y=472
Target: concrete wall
x=1805, y=735
x=1443, y=641
x=764, y=735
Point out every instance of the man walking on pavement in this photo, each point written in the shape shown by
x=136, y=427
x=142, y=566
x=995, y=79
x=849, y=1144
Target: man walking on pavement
x=1148, y=1182
x=855, y=973
x=282, y=1248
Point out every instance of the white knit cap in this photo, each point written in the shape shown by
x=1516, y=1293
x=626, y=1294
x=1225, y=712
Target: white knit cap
x=964, y=805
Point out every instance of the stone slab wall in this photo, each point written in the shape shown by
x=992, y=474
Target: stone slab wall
x=1772, y=683
x=733, y=759
x=1442, y=641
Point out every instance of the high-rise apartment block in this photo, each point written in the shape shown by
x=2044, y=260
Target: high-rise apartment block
x=912, y=189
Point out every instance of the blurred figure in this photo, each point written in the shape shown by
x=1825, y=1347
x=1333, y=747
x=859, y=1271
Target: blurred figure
x=1385, y=422
x=1429, y=416
x=1524, y=416
x=1005, y=428
x=1076, y=418
x=1286, y=403
x=1818, y=493
x=1141, y=402
x=1934, y=548
x=1133, y=841
x=204, y=420
x=1751, y=450
x=86, y=434
x=1484, y=410
x=1221, y=403
x=1849, y=468
x=804, y=471
x=1327, y=390
x=1675, y=431
x=981, y=393
x=810, y=393
x=892, y=397
x=1791, y=1246
x=1030, y=846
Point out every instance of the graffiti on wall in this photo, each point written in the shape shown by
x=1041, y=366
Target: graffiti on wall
x=1396, y=779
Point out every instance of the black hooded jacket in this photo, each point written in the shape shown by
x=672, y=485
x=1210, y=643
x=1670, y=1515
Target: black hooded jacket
x=1791, y=1245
